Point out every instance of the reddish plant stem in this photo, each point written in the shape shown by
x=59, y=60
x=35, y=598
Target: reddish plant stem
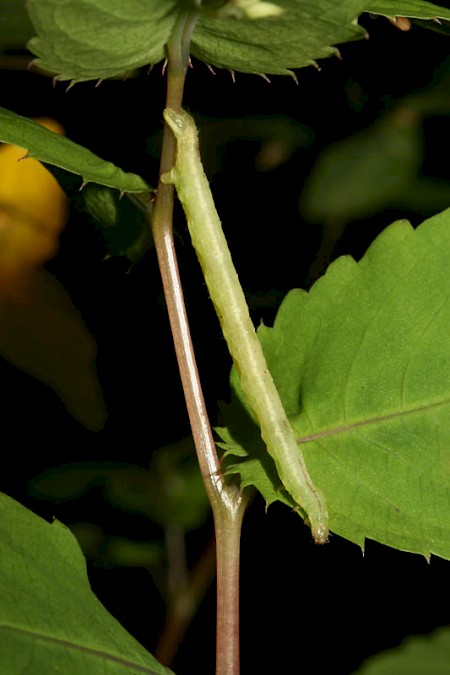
x=227, y=501
x=228, y=534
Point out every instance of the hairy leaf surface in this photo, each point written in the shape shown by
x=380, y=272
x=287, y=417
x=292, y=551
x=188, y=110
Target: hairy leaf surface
x=50, y=621
x=95, y=39
x=306, y=31
x=362, y=363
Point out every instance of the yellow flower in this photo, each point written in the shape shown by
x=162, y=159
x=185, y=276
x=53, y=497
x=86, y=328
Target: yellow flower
x=33, y=211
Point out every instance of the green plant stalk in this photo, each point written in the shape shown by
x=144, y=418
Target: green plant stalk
x=227, y=501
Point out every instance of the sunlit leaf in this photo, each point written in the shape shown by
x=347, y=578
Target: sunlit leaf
x=362, y=363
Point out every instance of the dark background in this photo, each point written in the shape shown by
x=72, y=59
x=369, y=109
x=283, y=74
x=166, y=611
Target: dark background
x=329, y=607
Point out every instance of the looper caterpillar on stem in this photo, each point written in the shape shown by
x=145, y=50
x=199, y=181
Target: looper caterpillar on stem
x=229, y=301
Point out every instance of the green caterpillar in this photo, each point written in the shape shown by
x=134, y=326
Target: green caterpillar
x=226, y=293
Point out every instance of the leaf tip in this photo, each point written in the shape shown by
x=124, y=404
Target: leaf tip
x=27, y=155
x=292, y=75
x=33, y=64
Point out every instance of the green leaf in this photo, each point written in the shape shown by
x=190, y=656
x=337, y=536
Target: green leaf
x=306, y=31
x=368, y=171
x=377, y=168
x=123, y=225
x=15, y=25
x=362, y=364
x=428, y=654
x=123, y=221
x=413, y=9
x=111, y=551
x=95, y=39
x=170, y=492
x=50, y=621
x=59, y=151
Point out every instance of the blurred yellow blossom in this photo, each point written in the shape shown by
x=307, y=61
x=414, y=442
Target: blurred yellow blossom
x=33, y=211
x=41, y=332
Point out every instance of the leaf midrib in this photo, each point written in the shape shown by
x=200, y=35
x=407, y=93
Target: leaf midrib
x=66, y=644
x=371, y=420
